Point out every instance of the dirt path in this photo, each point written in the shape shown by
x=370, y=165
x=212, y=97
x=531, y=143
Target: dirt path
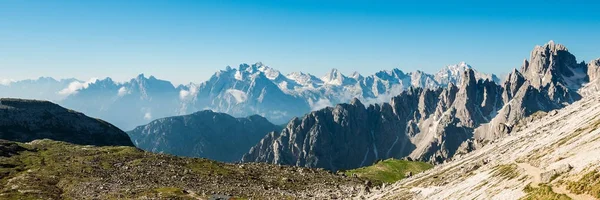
x=532, y=171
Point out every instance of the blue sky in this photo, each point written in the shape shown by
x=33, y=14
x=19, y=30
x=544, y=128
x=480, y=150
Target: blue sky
x=187, y=41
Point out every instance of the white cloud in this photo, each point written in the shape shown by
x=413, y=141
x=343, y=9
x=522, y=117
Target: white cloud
x=6, y=82
x=148, y=116
x=320, y=104
x=75, y=86
x=123, y=91
x=184, y=94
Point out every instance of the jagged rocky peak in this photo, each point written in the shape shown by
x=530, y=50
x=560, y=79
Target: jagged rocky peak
x=356, y=75
x=245, y=70
x=356, y=102
x=28, y=120
x=514, y=81
x=393, y=74
x=269, y=72
x=594, y=70
x=468, y=77
x=552, y=63
x=476, y=100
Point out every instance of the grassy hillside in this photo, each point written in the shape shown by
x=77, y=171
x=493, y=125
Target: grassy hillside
x=389, y=171
x=46, y=169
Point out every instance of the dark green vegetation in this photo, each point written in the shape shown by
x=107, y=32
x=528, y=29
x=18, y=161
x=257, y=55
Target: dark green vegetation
x=46, y=169
x=389, y=171
x=542, y=192
x=588, y=184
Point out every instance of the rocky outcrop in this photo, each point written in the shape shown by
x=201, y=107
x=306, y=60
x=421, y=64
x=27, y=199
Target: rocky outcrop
x=475, y=102
x=28, y=120
x=594, y=70
x=428, y=125
x=552, y=63
x=206, y=134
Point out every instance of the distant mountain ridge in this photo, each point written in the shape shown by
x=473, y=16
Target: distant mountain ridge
x=206, y=134
x=243, y=91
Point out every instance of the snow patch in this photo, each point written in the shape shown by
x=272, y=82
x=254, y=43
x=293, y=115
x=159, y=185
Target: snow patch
x=123, y=91
x=239, y=95
x=185, y=94
x=238, y=75
x=319, y=104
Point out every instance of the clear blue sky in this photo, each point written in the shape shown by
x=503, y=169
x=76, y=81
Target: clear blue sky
x=187, y=41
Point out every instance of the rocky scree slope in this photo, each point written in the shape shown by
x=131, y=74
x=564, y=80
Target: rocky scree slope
x=427, y=124
x=548, y=155
x=27, y=120
x=206, y=134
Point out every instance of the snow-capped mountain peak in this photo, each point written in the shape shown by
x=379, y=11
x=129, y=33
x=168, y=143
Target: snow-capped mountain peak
x=270, y=73
x=454, y=70
x=356, y=75
x=452, y=73
x=334, y=77
x=305, y=79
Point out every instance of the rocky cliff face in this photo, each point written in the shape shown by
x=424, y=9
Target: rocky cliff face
x=425, y=124
x=28, y=120
x=352, y=135
x=207, y=134
x=594, y=70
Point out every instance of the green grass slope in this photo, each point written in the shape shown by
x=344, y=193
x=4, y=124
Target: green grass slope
x=389, y=171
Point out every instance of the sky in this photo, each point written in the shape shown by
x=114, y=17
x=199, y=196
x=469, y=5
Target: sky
x=188, y=41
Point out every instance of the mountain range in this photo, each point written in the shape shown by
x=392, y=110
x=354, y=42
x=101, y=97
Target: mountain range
x=428, y=124
x=240, y=92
